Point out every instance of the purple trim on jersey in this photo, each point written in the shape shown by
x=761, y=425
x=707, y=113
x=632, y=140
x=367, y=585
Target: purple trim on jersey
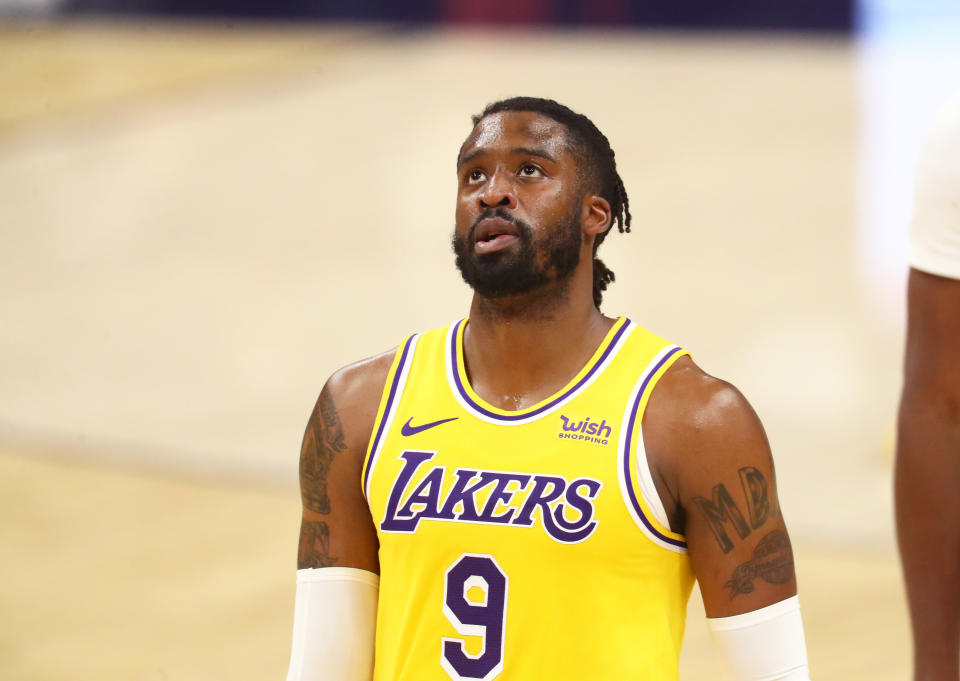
x=455, y=370
x=386, y=410
x=628, y=449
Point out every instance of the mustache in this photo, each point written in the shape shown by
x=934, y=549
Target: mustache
x=523, y=227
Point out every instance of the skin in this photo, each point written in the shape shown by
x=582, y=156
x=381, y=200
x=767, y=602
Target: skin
x=708, y=451
x=927, y=474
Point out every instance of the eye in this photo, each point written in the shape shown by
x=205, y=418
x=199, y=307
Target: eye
x=473, y=176
x=530, y=170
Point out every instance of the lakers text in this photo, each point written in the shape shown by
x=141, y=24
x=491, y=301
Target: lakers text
x=565, y=508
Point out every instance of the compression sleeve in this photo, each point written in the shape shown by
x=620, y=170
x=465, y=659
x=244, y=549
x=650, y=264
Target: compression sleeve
x=763, y=645
x=935, y=226
x=334, y=624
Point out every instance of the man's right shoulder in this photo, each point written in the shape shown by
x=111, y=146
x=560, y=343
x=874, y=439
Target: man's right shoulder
x=355, y=391
x=361, y=381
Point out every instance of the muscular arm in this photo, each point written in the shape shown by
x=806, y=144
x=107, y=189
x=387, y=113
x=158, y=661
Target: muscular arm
x=927, y=474
x=336, y=529
x=712, y=466
x=335, y=610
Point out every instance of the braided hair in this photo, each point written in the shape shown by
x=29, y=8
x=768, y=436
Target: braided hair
x=592, y=146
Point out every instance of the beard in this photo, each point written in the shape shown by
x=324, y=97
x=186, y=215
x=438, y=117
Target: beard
x=530, y=266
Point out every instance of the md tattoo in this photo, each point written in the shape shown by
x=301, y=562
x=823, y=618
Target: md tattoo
x=723, y=514
x=772, y=562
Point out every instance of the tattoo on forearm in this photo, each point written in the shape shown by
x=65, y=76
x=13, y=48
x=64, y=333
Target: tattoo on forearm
x=721, y=509
x=323, y=439
x=314, y=549
x=772, y=561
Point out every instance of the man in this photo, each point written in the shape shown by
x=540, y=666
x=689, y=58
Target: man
x=927, y=474
x=537, y=486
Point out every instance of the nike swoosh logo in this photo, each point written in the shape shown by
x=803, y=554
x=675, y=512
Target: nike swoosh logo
x=407, y=430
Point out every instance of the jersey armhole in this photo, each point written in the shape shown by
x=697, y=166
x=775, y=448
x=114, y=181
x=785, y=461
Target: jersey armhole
x=648, y=488
x=636, y=481
x=392, y=391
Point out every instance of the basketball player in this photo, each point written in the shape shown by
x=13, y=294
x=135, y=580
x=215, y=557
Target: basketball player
x=529, y=494
x=928, y=448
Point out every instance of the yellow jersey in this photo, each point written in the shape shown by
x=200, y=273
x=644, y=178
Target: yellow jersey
x=523, y=545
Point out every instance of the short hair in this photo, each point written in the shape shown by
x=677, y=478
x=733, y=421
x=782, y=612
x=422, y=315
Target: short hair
x=592, y=146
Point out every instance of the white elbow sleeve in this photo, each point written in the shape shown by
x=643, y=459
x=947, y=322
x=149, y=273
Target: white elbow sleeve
x=334, y=625
x=763, y=645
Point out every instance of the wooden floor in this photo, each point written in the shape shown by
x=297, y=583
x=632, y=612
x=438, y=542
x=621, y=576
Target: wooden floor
x=199, y=223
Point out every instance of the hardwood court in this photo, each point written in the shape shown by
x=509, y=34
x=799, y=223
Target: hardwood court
x=199, y=223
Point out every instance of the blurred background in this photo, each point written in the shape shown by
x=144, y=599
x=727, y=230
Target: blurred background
x=207, y=207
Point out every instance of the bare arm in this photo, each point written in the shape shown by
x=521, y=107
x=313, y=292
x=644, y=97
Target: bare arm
x=927, y=474
x=335, y=608
x=336, y=528
x=713, y=468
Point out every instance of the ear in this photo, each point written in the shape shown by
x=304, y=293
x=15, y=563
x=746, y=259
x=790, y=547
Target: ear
x=596, y=215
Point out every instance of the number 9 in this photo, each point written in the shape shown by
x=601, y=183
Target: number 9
x=486, y=619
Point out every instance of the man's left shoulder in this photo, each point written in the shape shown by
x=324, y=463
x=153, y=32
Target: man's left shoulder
x=690, y=407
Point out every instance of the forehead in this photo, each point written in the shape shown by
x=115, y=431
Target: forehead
x=512, y=129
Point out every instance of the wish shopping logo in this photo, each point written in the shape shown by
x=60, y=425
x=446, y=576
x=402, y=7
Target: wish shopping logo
x=585, y=430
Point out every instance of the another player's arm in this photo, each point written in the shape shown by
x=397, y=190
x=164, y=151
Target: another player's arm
x=712, y=465
x=928, y=472
x=337, y=583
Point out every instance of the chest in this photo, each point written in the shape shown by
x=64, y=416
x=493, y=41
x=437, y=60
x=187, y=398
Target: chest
x=557, y=476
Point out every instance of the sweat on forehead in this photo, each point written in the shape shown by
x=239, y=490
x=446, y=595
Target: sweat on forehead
x=534, y=127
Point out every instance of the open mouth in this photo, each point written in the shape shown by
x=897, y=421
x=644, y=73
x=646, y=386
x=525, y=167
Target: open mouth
x=495, y=243
x=491, y=229
x=494, y=234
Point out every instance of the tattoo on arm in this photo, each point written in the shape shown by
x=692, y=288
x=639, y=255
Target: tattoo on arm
x=323, y=439
x=314, y=549
x=721, y=509
x=755, y=490
x=772, y=561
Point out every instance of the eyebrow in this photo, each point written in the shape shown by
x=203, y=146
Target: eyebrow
x=526, y=151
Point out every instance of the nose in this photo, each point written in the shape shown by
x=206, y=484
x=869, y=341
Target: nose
x=499, y=191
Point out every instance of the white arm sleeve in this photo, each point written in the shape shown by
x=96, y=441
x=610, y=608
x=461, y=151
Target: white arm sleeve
x=763, y=645
x=935, y=226
x=334, y=624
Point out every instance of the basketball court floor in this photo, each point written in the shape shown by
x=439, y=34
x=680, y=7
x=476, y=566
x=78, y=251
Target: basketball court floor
x=199, y=223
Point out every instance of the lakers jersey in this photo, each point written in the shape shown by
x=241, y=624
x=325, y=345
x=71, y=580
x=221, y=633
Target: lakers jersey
x=523, y=545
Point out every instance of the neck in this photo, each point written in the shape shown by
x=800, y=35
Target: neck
x=522, y=349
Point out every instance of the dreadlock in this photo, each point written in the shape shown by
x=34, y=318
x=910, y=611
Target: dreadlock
x=593, y=147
